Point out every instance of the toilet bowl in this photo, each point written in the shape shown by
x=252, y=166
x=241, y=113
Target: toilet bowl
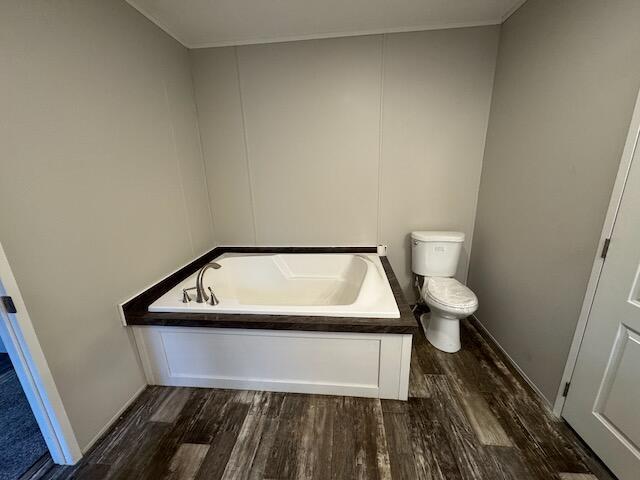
x=448, y=301
x=434, y=256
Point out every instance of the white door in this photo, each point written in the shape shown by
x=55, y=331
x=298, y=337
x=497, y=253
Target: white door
x=603, y=403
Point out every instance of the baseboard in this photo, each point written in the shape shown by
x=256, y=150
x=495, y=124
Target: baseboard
x=113, y=420
x=513, y=363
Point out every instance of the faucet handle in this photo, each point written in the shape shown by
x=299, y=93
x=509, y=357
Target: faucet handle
x=213, y=300
x=186, y=298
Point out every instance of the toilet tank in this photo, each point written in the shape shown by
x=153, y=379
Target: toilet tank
x=436, y=254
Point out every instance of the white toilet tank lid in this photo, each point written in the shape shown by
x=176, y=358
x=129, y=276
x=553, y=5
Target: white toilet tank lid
x=438, y=236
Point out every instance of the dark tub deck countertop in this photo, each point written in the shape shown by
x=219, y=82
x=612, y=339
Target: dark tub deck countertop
x=136, y=310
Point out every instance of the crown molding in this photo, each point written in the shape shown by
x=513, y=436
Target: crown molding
x=512, y=10
x=355, y=33
x=157, y=23
x=318, y=36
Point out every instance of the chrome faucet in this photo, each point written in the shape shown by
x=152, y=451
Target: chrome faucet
x=201, y=295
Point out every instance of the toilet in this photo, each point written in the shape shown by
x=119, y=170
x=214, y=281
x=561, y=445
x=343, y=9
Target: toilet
x=434, y=256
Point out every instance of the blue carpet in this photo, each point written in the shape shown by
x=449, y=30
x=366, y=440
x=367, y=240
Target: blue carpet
x=21, y=442
x=5, y=363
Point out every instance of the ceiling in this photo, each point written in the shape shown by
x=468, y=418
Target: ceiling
x=214, y=23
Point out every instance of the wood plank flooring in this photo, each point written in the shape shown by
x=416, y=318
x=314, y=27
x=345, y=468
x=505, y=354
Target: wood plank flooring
x=469, y=416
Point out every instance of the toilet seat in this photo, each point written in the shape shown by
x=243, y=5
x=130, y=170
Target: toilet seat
x=449, y=295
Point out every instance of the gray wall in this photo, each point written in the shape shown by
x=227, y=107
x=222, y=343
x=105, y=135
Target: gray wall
x=101, y=187
x=355, y=140
x=566, y=82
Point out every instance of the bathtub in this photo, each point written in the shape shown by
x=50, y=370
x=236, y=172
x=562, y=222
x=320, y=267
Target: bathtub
x=332, y=285
x=320, y=323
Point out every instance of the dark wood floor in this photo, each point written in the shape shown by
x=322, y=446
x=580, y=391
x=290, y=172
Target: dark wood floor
x=468, y=417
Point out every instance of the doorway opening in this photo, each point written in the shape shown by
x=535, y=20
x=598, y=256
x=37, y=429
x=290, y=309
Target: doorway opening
x=22, y=445
x=601, y=382
x=34, y=426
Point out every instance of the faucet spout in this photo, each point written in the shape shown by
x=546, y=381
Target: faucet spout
x=201, y=295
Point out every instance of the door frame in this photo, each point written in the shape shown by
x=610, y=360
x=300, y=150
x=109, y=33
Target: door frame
x=631, y=143
x=33, y=372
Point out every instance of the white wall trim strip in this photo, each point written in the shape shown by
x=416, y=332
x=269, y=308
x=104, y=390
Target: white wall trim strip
x=174, y=144
x=380, y=139
x=245, y=138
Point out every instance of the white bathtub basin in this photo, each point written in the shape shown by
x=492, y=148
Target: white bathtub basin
x=333, y=285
